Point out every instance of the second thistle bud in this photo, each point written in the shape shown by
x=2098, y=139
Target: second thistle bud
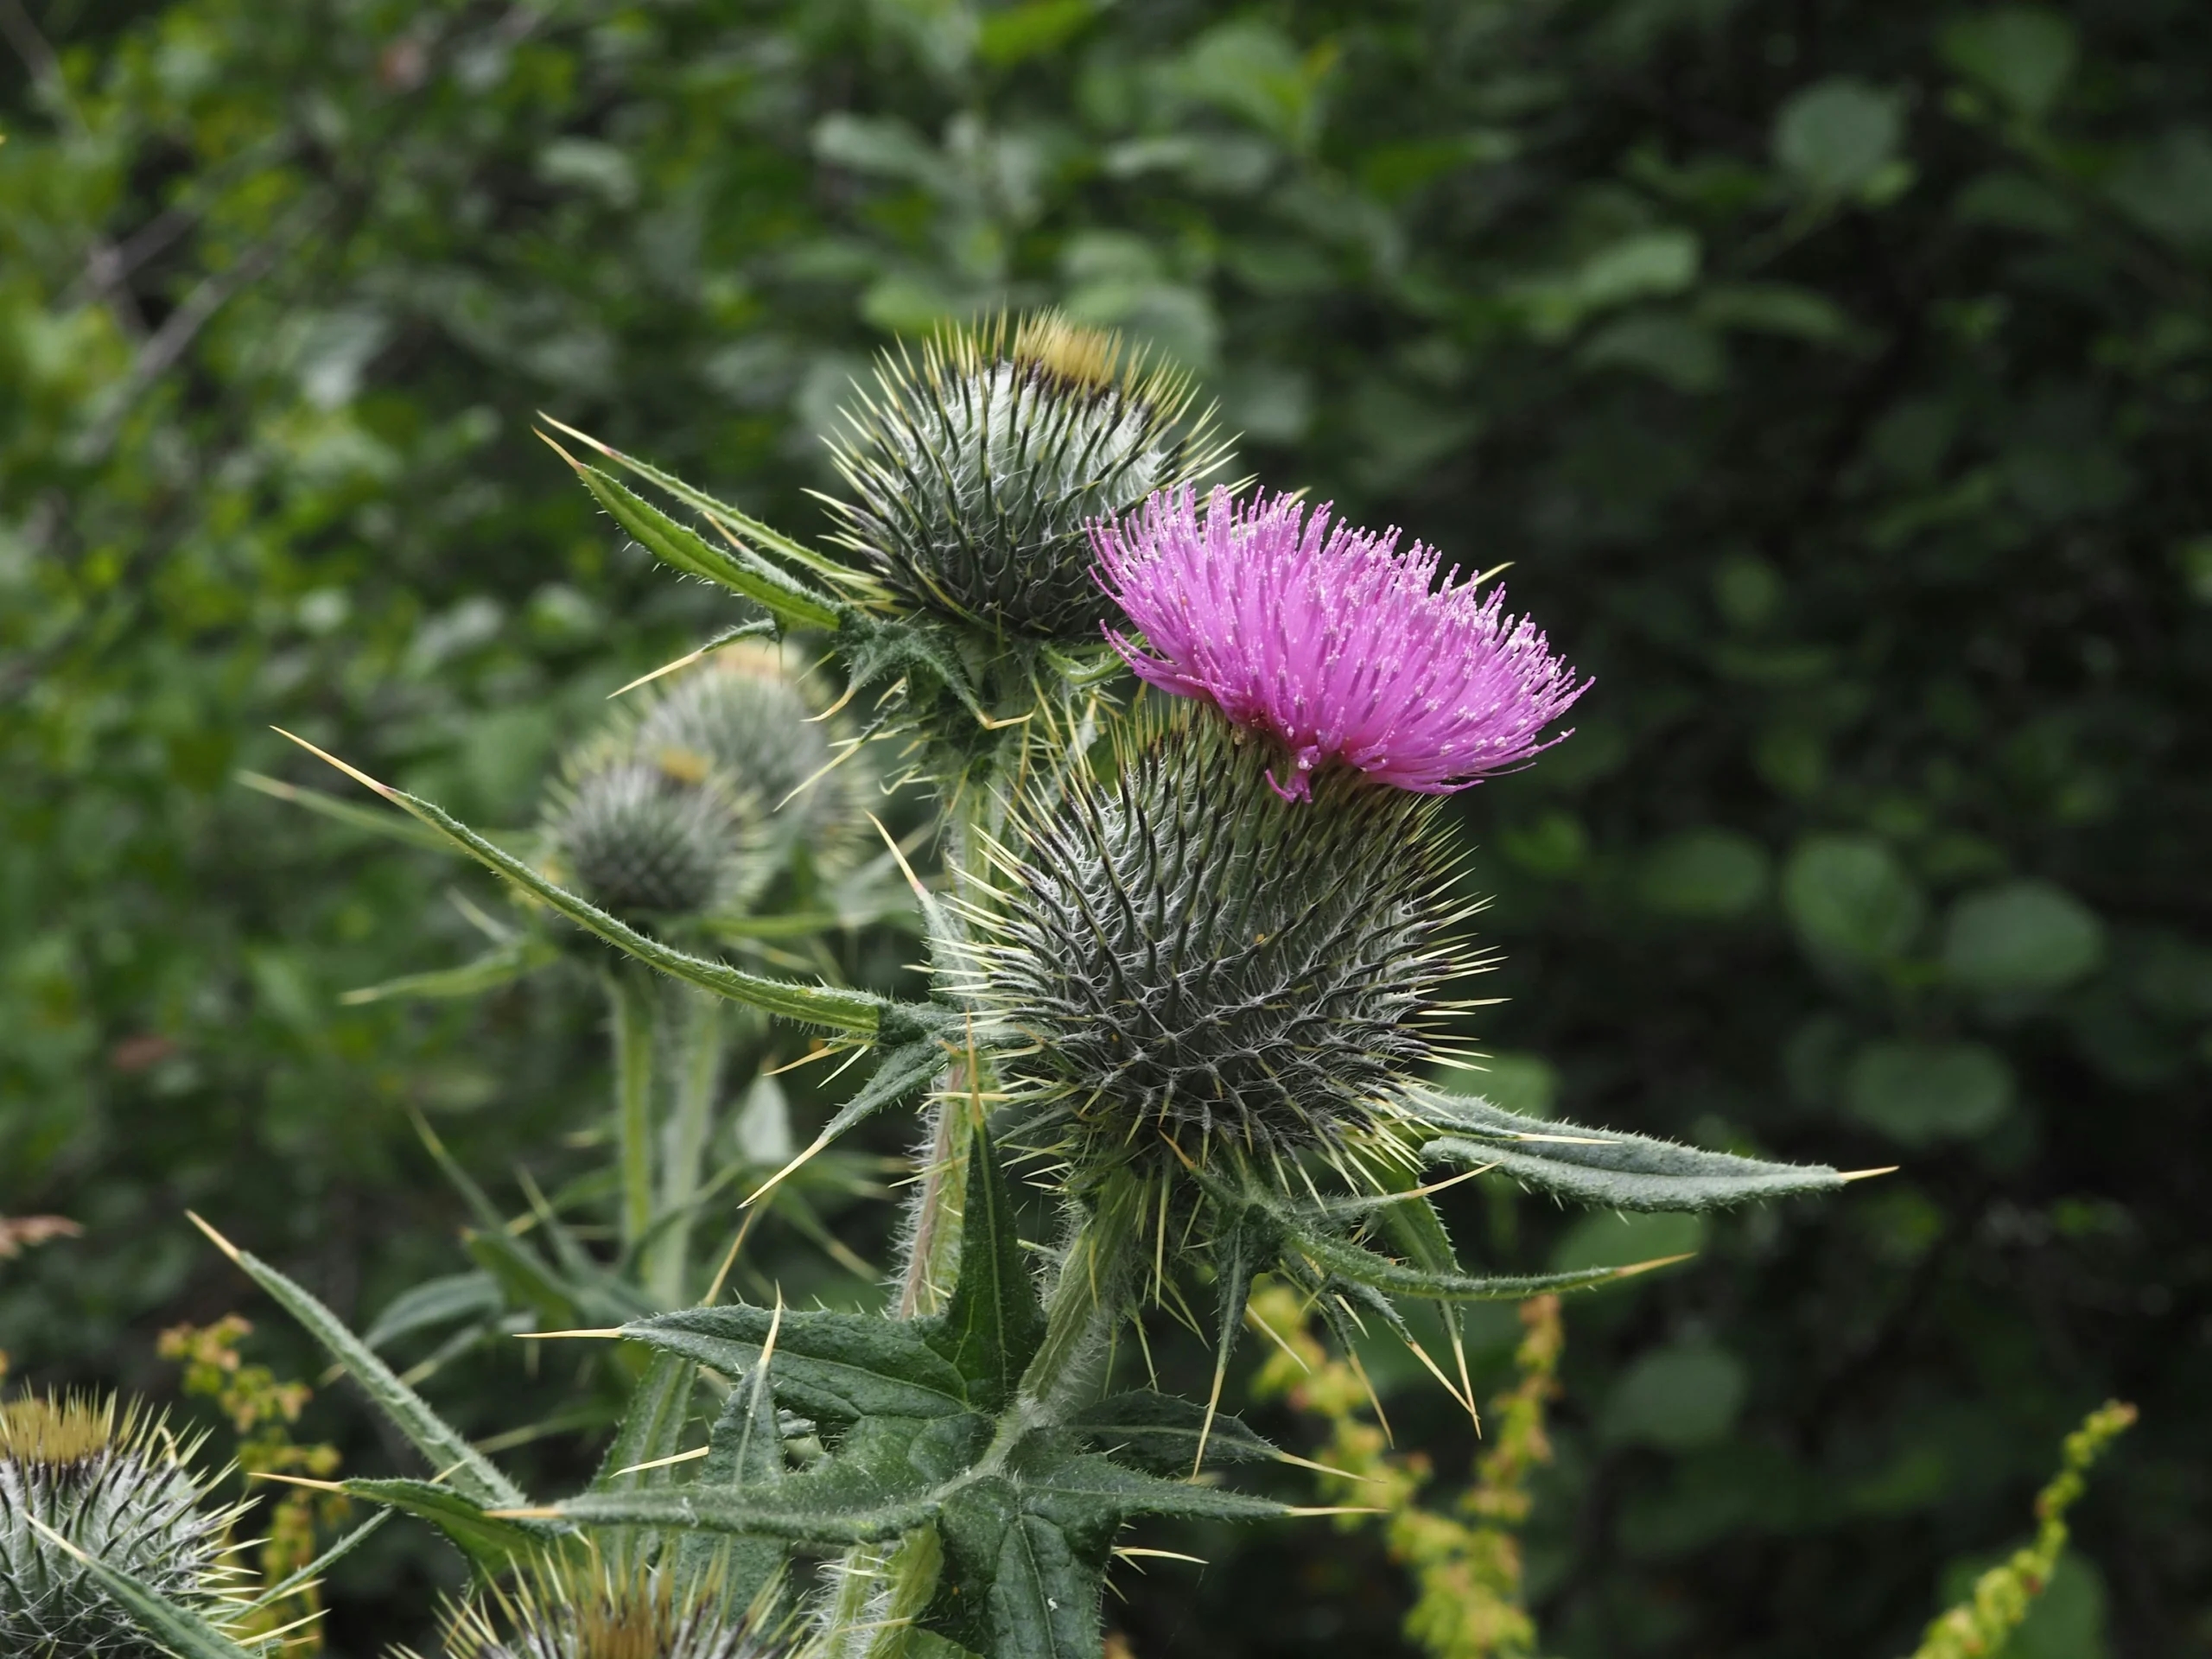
x=1199, y=960
x=122, y=1490
x=693, y=802
x=974, y=471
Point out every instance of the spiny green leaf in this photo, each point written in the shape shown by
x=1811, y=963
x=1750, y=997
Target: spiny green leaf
x=744, y=523
x=876, y=1486
x=913, y=647
x=493, y=1545
x=900, y=1068
x=820, y=1005
x=1026, y=1548
x=1085, y=1491
x=1160, y=1433
x=471, y=1473
x=1365, y=1267
x=994, y=1322
x=651, y=1428
x=1012, y=1584
x=1601, y=1167
x=745, y=1454
x=834, y=1367
x=738, y=569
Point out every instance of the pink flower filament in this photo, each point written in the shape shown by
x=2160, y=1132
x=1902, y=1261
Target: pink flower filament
x=1331, y=640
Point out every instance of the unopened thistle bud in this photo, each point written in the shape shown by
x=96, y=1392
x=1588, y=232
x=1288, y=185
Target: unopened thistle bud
x=634, y=838
x=122, y=1490
x=974, y=471
x=1200, y=961
x=699, y=793
x=589, y=1608
x=744, y=716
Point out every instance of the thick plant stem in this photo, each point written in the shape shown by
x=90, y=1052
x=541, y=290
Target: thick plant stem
x=943, y=1186
x=630, y=1007
x=1088, y=1293
x=697, y=1044
x=934, y=1227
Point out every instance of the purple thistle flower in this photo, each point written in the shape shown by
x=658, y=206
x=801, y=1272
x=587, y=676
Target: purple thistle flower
x=1332, y=639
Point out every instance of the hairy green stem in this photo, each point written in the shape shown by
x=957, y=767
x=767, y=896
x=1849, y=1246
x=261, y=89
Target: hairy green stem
x=934, y=1235
x=630, y=1005
x=697, y=1044
x=1090, y=1293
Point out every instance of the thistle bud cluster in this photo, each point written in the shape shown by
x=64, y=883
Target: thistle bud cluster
x=86, y=1478
x=692, y=803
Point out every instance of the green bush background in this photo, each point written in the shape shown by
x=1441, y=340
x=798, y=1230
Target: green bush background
x=1834, y=377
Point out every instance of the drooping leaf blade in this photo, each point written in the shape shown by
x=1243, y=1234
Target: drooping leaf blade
x=744, y=1453
x=876, y=1486
x=1161, y=1434
x=436, y=1302
x=1604, y=1167
x=900, y=1069
x=502, y=965
x=469, y=1471
x=651, y=1427
x=1338, y=1256
x=344, y=813
x=744, y=523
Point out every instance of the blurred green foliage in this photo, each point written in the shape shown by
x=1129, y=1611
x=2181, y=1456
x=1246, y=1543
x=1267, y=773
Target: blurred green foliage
x=1835, y=378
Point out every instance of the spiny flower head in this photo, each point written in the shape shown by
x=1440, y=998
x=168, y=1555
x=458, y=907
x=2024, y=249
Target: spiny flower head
x=1198, y=961
x=1331, y=640
x=120, y=1488
x=593, y=1609
x=974, y=470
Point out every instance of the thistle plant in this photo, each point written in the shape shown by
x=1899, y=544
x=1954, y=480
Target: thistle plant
x=92, y=1493
x=1196, y=946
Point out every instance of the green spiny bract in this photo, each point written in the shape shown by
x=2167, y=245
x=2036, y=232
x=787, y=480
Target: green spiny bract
x=590, y=1609
x=975, y=470
x=121, y=1489
x=1190, y=951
